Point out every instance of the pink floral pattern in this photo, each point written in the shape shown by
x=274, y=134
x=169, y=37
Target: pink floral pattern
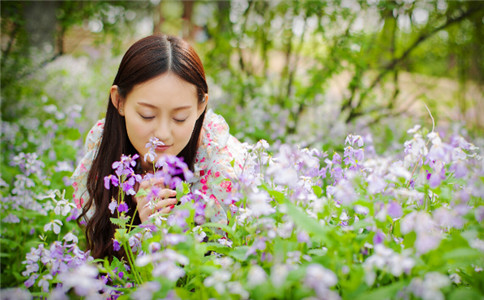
x=219, y=160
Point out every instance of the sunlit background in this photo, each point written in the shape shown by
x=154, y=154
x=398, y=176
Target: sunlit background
x=307, y=72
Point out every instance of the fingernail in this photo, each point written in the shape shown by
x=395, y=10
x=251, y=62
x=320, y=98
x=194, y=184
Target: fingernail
x=172, y=206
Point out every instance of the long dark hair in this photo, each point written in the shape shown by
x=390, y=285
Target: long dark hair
x=144, y=60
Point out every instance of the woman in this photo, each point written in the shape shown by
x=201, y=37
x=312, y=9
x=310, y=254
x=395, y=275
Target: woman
x=159, y=91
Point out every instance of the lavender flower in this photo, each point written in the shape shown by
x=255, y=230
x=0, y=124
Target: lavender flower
x=146, y=290
x=110, y=179
x=116, y=245
x=321, y=279
x=164, y=263
x=178, y=217
x=112, y=206
x=54, y=225
x=123, y=207
x=395, y=210
x=152, y=144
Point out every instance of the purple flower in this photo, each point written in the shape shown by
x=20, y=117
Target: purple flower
x=74, y=214
x=479, y=214
x=125, y=165
x=395, y=210
x=30, y=282
x=459, y=169
x=378, y=238
x=128, y=186
x=178, y=217
x=116, y=245
x=110, y=179
x=337, y=173
x=123, y=207
x=354, y=139
x=303, y=237
x=336, y=159
x=152, y=144
x=436, y=177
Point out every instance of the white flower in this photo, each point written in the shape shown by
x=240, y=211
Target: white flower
x=16, y=293
x=218, y=279
x=146, y=290
x=225, y=241
x=429, y=288
x=279, y=273
x=54, y=225
x=477, y=244
x=224, y=261
x=44, y=282
x=63, y=207
x=169, y=270
x=198, y=233
x=70, y=237
x=284, y=230
x=317, y=274
x=259, y=203
x=256, y=276
x=83, y=280
x=455, y=278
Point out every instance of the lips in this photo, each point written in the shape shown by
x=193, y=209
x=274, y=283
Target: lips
x=162, y=148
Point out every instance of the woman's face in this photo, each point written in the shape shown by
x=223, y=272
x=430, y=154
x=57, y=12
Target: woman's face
x=165, y=107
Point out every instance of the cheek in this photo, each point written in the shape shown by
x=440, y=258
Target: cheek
x=185, y=132
x=137, y=132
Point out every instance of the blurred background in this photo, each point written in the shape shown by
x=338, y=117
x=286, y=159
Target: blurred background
x=306, y=72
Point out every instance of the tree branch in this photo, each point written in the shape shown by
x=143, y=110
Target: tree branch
x=390, y=66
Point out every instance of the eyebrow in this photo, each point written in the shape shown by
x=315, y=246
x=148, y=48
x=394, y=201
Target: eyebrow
x=152, y=106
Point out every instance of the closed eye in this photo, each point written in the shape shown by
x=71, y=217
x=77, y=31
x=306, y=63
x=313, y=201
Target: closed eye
x=180, y=120
x=147, y=117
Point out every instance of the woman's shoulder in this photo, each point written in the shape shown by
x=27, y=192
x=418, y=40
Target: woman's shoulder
x=219, y=150
x=94, y=135
x=79, y=177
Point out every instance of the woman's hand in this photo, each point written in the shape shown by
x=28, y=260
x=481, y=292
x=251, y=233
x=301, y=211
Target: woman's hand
x=163, y=203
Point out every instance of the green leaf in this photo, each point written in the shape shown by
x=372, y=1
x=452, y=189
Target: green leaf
x=224, y=227
x=216, y=247
x=309, y=224
x=278, y=196
x=142, y=193
x=119, y=221
x=467, y=293
x=469, y=255
x=318, y=191
x=318, y=252
x=239, y=252
x=385, y=292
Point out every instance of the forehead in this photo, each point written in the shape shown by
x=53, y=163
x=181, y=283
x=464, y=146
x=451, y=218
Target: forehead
x=166, y=90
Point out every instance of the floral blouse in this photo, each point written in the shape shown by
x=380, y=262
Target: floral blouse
x=219, y=160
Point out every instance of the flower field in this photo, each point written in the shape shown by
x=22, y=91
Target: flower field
x=303, y=224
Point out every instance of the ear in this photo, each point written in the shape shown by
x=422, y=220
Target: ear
x=202, y=105
x=116, y=100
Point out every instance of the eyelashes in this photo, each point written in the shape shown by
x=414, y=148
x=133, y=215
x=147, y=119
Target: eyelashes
x=146, y=117
x=152, y=117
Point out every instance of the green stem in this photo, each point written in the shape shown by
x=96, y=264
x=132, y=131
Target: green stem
x=132, y=218
x=130, y=257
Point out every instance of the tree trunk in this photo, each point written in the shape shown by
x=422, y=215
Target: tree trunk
x=41, y=24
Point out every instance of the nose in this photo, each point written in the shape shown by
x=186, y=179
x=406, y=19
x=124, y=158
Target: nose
x=163, y=131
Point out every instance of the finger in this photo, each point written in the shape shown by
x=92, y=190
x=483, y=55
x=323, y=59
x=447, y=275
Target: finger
x=162, y=212
x=165, y=203
x=167, y=193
